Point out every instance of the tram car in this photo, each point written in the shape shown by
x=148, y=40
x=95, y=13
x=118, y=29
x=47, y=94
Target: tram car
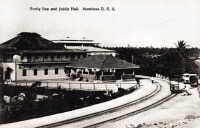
x=176, y=85
x=191, y=79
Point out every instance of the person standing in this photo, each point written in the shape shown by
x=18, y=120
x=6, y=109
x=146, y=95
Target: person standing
x=138, y=83
x=187, y=90
x=152, y=80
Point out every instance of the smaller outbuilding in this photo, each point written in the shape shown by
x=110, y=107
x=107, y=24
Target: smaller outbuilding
x=103, y=67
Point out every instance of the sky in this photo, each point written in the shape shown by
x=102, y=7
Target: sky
x=137, y=23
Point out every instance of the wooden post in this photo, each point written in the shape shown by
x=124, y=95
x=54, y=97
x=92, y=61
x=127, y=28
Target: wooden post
x=102, y=73
x=132, y=59
x=94, y=86
x=15, y=72
x=106, y=88
x=69, y=86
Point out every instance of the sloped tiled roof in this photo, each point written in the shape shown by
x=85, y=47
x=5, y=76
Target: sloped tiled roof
x=27, y=40
x=102, y=62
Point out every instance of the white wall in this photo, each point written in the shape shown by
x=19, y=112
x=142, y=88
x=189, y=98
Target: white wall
x=40, y=71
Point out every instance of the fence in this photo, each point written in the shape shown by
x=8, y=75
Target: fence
x=128, y=76
x=87, y=86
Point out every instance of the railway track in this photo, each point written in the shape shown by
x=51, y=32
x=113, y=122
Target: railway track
x=124, y=106
x=132, y=113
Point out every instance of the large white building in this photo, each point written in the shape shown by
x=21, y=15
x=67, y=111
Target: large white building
x=28, y=56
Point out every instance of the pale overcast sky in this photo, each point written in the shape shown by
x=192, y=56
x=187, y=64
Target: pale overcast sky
x=157, y=23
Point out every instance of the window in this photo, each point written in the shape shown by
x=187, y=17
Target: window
x=58, y=56
x=56, y=70
x=52, y=58
x=72, y=57
x=36, y=56
x=24, y=72
x=35, y=72
x=45, y=57
x=29, y=57
x=22, y=57
x=45, y=71
x=78, y=57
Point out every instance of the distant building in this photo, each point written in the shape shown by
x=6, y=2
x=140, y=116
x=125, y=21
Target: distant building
x=89, y=45
x=29, y=56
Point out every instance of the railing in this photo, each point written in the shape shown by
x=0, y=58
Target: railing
x=89, y=86
x=45, y=59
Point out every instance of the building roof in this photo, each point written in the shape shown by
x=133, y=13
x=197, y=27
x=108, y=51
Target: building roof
x=55, y=51
x=27, y=40
x=102, y=62
x=72, y=42
x=90, y=49
x=197, y=62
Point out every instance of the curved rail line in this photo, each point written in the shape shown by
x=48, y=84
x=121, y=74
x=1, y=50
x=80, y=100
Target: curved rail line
x=132, y=113
x=157, y=90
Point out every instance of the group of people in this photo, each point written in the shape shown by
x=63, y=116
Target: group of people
x=186, y=89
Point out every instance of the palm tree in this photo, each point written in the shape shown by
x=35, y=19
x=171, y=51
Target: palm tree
x=181, y=57
x=182, y=44
x=181, y=48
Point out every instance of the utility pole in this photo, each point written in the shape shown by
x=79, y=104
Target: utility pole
x=1, y=83
x=132, y=59
x=1, y=78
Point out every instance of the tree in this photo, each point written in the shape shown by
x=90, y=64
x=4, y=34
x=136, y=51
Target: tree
x=181, y=48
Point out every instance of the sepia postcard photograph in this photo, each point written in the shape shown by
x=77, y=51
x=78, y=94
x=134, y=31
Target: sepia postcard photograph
x=99, y=63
